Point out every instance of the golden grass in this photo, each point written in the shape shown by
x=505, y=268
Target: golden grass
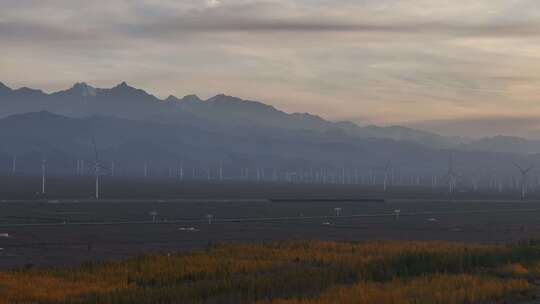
x=250, y=272
x=437, y=289
x=30, y=288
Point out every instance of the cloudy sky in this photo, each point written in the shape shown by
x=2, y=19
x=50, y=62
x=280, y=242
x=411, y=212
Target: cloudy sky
x=456, y=67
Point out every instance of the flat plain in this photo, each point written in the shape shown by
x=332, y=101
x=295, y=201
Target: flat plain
x=67, y=228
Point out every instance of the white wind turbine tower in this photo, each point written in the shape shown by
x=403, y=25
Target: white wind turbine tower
x=78, y=168
x=44, y=175
x=14, y=164
x=524, y=176
x=153, y=214
x=146, y=165
x=97, y=169
x=221, y=171
x=387, y=172
x=181, y=170
x=451, y=174
x=112, y=168
x=475, y=181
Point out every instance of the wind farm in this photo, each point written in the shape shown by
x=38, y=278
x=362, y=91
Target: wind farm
x=120, y=222
x=62, y=198
x=269, y=152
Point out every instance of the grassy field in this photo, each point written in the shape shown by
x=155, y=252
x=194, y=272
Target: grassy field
x=293, y=272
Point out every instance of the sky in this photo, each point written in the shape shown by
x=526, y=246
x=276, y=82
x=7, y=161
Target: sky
x=460, y=67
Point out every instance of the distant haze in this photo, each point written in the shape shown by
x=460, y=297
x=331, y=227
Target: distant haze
x=476, y=127
x=459, y=67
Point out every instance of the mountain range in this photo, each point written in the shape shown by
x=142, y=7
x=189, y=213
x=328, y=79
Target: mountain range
x=132, y=127
x=224, y=112
x=220, y=111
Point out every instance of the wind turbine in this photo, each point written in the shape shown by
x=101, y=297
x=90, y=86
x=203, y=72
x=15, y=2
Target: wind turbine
x=97, y=169
x=474, y=181
x=78, y=168
x=14, y=164
x=153, y=214
x=221, y=171
x=43, y=175
x=387, y=172
x=524, y=175
x=181, y=170
x=112, y=168
x=451, y=175
x=397, y=212
x=434, y=181
x=81, y=167
x=338, y=211
x=146, y=168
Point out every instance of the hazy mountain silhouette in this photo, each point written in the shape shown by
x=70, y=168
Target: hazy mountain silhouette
x=218, y=112
x=223, y=112
x=131, y=143
x=507, y=144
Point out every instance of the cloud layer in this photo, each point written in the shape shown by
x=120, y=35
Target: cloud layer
x=372, y=61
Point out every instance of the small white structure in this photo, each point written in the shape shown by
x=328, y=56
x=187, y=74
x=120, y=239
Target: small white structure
x=154, y=215
x=188, y=229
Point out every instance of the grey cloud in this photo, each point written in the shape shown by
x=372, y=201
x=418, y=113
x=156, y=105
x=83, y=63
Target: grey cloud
x=384, y=60
x=217, y=24
x=249, y=18
x=27, y=32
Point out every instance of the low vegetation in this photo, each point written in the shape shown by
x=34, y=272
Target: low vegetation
x=293, y=273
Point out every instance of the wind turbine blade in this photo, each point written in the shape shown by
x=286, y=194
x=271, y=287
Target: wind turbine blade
x=518, y=166
x=451, y=165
